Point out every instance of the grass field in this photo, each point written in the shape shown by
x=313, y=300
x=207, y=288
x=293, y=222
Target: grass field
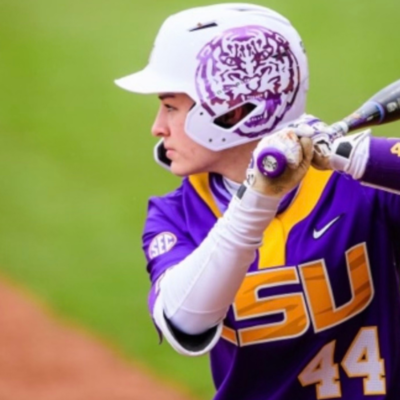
x=76, y=164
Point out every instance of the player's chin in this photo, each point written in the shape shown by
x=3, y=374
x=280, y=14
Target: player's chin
x=182, y=170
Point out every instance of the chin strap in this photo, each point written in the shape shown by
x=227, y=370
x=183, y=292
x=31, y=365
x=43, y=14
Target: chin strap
x=160, y=156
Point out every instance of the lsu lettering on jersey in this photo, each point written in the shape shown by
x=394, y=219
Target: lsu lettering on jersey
x=318, y=313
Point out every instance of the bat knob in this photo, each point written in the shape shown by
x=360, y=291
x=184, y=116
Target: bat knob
x=271, y=162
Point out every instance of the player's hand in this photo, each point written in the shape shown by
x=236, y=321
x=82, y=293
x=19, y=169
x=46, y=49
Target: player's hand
x=322, y=137
x=298, y=152
x=350, y=154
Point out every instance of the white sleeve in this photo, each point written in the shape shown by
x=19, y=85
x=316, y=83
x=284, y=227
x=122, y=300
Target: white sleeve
x=195, y=294
x=188, y=345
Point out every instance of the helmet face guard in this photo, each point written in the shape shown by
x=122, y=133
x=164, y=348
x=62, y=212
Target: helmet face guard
x=225, y=56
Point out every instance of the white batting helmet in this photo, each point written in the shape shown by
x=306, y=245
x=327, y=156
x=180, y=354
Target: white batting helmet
x=224, y=56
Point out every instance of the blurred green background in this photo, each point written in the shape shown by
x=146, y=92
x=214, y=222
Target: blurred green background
x=76, y=165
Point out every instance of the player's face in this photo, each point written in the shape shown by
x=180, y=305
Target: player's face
x=187, y=157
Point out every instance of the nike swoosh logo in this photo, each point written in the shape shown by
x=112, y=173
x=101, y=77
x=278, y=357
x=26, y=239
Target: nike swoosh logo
x=318, y=233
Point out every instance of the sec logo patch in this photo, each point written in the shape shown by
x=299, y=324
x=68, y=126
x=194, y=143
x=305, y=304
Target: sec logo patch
x=161, y=244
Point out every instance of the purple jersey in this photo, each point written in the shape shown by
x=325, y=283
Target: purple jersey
x=318, y=313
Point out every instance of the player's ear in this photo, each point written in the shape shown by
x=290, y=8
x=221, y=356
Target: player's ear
x=234, y=116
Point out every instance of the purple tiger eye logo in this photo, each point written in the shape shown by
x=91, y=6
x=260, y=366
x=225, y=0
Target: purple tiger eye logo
x=247, y=63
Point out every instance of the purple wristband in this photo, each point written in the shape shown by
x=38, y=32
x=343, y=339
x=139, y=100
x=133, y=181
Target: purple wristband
x=383, y=166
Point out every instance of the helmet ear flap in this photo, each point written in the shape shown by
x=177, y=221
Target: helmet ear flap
x=217, y=132
x=160, y=155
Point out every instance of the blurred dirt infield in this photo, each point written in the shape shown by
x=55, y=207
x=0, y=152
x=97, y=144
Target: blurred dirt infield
x=40, y=359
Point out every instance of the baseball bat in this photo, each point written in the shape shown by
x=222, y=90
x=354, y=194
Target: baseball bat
x=381, y=108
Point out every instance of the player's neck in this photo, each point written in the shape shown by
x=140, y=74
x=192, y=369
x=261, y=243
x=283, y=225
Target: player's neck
x=235, y=161
x=231, y=186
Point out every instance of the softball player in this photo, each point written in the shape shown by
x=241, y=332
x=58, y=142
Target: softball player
x=290, y=284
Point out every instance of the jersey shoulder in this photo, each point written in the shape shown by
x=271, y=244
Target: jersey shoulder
x=176, y=224
x=165, y=204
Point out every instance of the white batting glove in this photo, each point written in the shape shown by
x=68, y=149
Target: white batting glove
x=297, y=152
x=286, y=141
x=319, y=132
x=350, y=153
